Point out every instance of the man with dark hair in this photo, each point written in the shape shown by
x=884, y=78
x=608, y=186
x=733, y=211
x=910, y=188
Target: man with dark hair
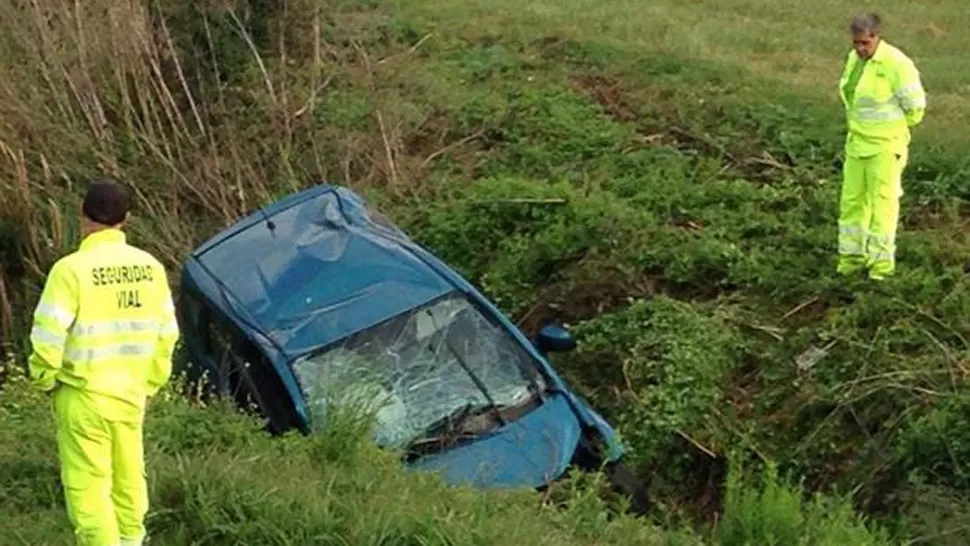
x=883, y=97
x=102, y=341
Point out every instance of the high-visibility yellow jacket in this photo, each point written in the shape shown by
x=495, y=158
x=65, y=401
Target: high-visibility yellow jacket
x=105, y=323
x=888, y=99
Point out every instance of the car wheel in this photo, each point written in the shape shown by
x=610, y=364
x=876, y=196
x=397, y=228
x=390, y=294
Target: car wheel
x=590, y=456
x=625, y=482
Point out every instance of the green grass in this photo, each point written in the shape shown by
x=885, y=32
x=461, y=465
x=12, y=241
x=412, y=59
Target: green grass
x=216, y=478
x=663, y=177
x=796, y=44
x=209, y=485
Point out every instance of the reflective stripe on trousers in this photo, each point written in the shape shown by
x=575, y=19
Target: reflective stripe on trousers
x=869, y=211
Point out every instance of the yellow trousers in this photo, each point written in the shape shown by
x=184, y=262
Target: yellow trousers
x=869, y=213
x=99, y=442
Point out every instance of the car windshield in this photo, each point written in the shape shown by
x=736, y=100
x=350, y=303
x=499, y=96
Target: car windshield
x=418, y=368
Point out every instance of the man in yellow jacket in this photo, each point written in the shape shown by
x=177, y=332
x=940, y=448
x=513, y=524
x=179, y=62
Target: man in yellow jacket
x=102, y=341
x=883, y=97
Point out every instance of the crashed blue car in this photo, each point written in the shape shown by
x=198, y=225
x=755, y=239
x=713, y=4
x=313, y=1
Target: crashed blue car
x=317, y=300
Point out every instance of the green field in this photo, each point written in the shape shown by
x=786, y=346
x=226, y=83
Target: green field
x=662, y=176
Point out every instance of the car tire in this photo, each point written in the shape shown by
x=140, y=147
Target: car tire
x=590, y=456
x=625, y=482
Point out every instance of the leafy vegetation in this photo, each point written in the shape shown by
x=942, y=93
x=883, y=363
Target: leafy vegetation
x=663, y=179
x=209, y=485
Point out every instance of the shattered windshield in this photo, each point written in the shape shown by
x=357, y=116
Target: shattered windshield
x=419, y=368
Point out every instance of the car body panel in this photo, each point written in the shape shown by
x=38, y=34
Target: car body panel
x=532, y=451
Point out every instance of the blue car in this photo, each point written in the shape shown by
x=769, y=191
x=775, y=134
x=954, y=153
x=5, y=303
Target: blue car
x=316, y=301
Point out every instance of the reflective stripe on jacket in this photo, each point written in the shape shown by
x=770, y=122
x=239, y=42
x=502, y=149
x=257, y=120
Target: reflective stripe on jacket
x=888, y=100
x=105, y=322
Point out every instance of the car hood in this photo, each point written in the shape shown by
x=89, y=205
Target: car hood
x=531, y=451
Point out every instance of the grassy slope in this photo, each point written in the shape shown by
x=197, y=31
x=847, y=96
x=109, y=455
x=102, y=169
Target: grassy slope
x=790, y=42
x=216, y=478
x=693, y=248
x=748, y=83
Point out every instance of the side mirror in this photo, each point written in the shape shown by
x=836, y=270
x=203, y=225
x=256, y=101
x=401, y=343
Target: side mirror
x=555, y=339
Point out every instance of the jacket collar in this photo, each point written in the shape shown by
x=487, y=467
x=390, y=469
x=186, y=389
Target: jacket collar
x=102, y=237
x=879, y=56
x=882, y=50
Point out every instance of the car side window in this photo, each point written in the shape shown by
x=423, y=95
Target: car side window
x=215, y=337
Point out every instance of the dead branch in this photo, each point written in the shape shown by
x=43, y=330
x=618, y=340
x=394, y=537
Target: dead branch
x=252, y=48
x=947, y=354
x=703, y=139
x=181, y=76
x=772, y=331
x=410, y=51
x=387, y=147
x=799, y=307
x=522, y=200
x=377, y=111
x=626, y=378
x=452, y=146
x=742, y=435
x=768, y=160
x=696, y=444
x=6, y=309
x=313, y=96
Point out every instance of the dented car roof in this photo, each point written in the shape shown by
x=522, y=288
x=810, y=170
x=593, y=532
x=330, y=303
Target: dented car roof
x=313, y=268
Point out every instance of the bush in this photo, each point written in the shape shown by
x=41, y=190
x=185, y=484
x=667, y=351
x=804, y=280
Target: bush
x=775, y=513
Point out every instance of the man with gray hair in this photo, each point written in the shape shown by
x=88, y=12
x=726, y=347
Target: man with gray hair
x=883, y=98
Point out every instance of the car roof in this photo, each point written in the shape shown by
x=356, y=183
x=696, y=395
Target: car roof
x=326, y=269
